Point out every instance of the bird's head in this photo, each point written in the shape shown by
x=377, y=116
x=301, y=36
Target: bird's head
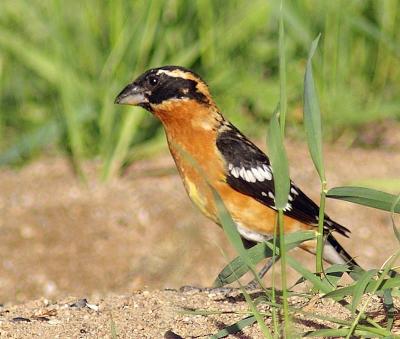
x=164, y=89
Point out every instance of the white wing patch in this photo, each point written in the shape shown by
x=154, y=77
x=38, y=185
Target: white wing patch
x=253, y=174
x=235, y=172
x=288, y=207
x=260, y=173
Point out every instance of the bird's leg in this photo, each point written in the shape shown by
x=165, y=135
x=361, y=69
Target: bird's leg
x=217, y=290
x=254, y=283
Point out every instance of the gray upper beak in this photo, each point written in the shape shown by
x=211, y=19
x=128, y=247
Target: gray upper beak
x=131, y=95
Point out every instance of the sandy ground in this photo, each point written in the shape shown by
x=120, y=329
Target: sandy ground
x=161, y=314
x=61, y=237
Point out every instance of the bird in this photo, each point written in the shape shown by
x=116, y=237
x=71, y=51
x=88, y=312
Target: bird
x=212, y=155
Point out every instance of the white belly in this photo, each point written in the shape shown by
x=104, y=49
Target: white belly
x=251, y=235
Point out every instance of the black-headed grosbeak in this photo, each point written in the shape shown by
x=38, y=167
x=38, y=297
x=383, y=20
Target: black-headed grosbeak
x=236, y=168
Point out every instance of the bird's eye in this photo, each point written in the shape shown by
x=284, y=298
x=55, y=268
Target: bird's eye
x=153, y=80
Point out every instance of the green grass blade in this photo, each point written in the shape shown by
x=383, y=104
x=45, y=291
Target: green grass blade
x=29, y=142
x=375, y=287
x=134, y=116
x=312, y=115
x=288, y=328
x=115, y=57
x=359, y=288
x=309, y=276
x=230, y=230
x=129, y=125
x=206, y=31
x=365, y=196
x=280, y=169
x=44, y=64
x=282, y=72
x=312, y=124
x=333, y=273
x=235, y=328
x=149, y=32
x=233, y=235
x=342, y=332
x=73, y=126
x=389, y=308
x=237, y=267
x=372, y=31
x=279, y=163
x=68, y=83
x=392, y=211
x=349, y=290
x=260, y=320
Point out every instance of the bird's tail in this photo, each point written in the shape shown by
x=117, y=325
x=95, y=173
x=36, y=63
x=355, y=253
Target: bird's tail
x=334, y=253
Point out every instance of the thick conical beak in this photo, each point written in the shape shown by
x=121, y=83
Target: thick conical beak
x=131, y=95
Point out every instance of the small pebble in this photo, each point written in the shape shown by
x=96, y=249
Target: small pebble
x=79, y=304
x=20, y=319
x=172, y=335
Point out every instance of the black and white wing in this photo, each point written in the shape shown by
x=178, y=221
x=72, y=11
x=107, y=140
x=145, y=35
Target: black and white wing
x=250, y=173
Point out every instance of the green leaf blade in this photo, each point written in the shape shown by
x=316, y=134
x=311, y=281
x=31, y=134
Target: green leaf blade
x=388, y=283
x=312, y=115
x=279, y=162
x=359, y=288
x=365, y=196
x=235, y=328
x=321, y=285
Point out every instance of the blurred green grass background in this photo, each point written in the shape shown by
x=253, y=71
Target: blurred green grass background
x=63, y=62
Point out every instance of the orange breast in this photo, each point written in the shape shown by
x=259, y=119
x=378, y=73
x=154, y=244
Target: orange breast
x=192, y=143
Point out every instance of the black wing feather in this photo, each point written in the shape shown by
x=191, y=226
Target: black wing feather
x=241, y=153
